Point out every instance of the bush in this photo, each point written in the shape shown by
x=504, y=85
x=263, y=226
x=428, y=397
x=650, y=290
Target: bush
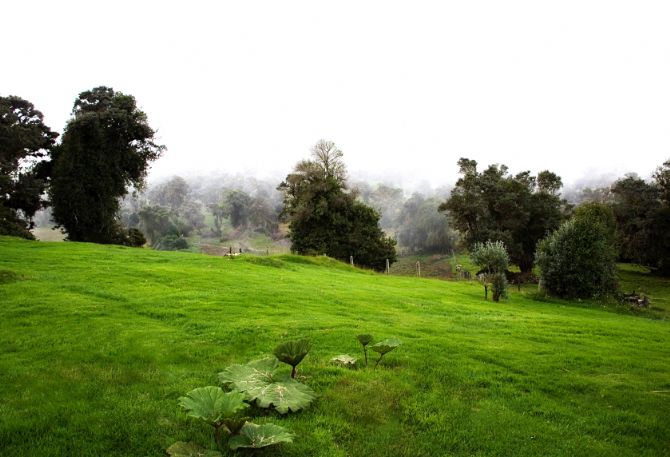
x=493, y=260
x=135, y=238
x=578, y=259
x=171, y=243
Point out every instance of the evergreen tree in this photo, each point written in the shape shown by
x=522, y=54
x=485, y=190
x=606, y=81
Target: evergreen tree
x=24, y=143
x=106, y=147
x=325, y=218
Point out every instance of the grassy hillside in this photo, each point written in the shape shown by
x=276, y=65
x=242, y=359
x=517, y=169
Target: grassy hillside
x=98, y=342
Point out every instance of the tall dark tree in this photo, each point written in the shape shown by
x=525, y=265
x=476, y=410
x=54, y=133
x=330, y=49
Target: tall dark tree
x=635, y=204
x=325, y=217
x=24, y=143
x=494, y=205
x=106, y=147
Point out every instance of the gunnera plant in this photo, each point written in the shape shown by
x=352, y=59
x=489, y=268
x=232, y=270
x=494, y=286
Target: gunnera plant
x=384, y=347
x=365, y=339
x=221, y=410
x=292, y=353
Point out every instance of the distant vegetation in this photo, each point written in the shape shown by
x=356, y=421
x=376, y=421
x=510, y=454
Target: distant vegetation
x=94, y=178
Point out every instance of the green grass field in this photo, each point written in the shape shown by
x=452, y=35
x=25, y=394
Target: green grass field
x=97, y=343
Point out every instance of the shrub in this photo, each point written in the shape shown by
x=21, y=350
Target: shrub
x=493, y=260
x=578, y=259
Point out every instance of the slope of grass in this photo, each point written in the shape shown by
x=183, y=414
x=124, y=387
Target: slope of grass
x=98, y=342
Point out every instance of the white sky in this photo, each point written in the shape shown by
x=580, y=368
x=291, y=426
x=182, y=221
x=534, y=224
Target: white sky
x=406, y=88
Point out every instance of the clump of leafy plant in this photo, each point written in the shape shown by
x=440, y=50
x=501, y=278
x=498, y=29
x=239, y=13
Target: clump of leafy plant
x=260, y=383
x=365, y=339
x=384, y=347
x=256, y=436
x=215, y=407
x=344, y=360
x=292, y=353
x=221, y=410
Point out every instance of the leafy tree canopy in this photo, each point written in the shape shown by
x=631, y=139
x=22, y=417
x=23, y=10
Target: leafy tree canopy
x=494, y=205
x=106, y=148
x=578, y=259
x=325, y=217
x=24, y=142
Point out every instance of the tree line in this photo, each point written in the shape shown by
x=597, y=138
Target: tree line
x=93, y=180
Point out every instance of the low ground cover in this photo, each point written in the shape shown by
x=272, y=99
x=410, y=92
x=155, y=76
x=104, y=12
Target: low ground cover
x=98, y=343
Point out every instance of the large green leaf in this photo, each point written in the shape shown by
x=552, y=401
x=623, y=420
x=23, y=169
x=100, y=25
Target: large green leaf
x=182, y=449
x=386, y=346
x=257, y=436
x=364, y=339
x=292, y=352
x=258, y=382
x=212, y=404
x=285, y=396
x=250, y=377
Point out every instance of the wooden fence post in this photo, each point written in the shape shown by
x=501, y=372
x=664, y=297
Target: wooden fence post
x=351, y=260
x=387, y=266
x=418, y=268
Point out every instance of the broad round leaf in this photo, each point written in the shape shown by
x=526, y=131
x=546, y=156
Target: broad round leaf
x=292, y=352
x=285, y=396
x=257, y=436
x=212, y=404
x=256, y=380
x=386, y=346
x=183, y=449
x=364, y=339
x=252, y=376
x=344, y=360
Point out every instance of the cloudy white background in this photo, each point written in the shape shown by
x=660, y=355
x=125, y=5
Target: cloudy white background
x=404, y=88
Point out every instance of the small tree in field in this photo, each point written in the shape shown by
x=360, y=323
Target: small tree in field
x=578, y=259
x=492, y=258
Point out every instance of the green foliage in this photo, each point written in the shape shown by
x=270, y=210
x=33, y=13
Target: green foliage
x=344, y=360
x=292, y=353
x=423, y=229
x=257, y=436
x=25, y=141
x=518, y=210
x=122, y=330
x=212, y=405
x=578, y=259
x=106, y=148
x=384, y=347
x=490, y=256
x=183, y=449
x=498, y=286
x=164, y=228
x=492, y=259
x=365, y=339
x=642, y=211
x=259, y=382
x=135, y=238
x=325, y=218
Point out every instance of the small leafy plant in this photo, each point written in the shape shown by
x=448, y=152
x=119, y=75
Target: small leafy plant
x=384, y=347
x=344, y=360
x=260, y=383
x=292, y=353
x=215, y=407
x=220, y=410
x=365, y=339
x=257, y=436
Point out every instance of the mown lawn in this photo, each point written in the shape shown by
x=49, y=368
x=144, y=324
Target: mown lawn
x=97, y=343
